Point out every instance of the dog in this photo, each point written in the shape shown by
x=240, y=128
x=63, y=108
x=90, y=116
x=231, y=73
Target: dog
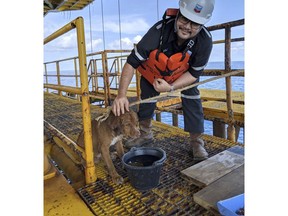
x=108, y=132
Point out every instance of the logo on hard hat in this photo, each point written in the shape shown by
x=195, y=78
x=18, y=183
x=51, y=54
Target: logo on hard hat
x=198, y=8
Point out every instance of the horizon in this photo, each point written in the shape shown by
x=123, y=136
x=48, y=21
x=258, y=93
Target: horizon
x=207, y=66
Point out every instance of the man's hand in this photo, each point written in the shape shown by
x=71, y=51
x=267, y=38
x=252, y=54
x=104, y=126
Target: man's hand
x=121, y=102
x=119, y=105
x=160, y=85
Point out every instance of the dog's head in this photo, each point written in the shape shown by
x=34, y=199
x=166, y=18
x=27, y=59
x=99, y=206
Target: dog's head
x=127, y=124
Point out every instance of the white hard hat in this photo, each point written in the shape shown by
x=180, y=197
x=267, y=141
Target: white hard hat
x=199, y=11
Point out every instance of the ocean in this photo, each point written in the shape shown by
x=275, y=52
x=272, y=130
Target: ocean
x=237, y=85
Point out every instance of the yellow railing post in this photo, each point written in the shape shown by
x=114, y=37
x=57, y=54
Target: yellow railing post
x=76, y=77
x=46, y=76
x=230, y=128
x=58, y=77
x=118, y=71
x=95, y=76
x=90, y=173
x=106, y=79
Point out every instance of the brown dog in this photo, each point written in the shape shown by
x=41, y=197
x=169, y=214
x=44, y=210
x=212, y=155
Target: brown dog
x=110, y=132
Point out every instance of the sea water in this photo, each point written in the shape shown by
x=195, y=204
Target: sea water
x=237, y=85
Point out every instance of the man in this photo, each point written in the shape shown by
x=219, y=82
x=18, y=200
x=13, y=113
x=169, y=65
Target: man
x=170, y=56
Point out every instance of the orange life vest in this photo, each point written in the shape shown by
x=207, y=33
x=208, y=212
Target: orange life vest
x=163, y=67
x=158, y=65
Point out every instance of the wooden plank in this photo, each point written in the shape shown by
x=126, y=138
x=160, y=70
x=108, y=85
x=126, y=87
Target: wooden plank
x=226, y=187
x=208, y=171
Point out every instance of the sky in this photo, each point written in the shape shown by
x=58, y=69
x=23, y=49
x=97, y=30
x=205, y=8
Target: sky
x=135, y=21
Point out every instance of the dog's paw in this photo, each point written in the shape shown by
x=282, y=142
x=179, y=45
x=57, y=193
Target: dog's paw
x=97, y=158
x=113, y=155
x=117, y=179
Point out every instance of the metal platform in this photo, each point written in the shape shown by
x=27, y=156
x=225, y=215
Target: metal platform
x=173, y=196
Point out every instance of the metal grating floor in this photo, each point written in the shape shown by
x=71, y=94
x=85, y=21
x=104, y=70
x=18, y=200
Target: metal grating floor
x=173, y=196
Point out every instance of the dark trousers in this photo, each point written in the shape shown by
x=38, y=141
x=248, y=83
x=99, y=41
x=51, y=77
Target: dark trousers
x=146, y=110
x=192, y=108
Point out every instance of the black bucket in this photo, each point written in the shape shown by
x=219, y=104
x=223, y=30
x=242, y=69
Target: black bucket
x=144, y=166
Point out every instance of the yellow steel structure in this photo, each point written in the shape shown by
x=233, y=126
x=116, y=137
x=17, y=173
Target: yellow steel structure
x=90, y=174
x=63, y=118
x=64, y=5
x=60, y=198
x=173, y=195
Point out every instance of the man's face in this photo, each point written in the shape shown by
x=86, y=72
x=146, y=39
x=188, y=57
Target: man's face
x=185, y=28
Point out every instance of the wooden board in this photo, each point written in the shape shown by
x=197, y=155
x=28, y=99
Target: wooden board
x=208, y=171
x=226, y=187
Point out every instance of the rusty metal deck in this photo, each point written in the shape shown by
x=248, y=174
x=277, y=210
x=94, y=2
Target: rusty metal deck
x=173, y=196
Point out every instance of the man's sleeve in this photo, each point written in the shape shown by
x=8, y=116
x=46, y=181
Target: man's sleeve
x=200, y=58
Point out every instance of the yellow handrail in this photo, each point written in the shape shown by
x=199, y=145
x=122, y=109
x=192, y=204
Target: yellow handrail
x=90, y=174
